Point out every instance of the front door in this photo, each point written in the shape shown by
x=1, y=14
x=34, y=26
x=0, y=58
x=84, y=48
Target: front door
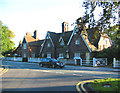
x=78, y=61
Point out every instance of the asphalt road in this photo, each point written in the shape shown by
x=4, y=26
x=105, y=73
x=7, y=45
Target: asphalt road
x=30, y=78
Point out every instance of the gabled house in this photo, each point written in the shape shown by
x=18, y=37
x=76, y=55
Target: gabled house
x=30, y=46
x=68, y=45
x=100, y=41
x=48, y=48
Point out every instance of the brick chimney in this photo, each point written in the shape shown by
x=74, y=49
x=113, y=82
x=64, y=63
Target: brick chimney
x=35, y=34
x=65, y=27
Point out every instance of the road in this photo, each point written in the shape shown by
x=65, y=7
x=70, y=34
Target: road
x=29, y=77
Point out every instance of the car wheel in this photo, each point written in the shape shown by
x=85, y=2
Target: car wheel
x=53, y=66
x=41, y=65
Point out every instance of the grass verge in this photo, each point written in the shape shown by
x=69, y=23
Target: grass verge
x=106, y=85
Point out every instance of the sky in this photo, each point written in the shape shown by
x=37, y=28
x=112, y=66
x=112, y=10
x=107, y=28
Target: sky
x=23, y=16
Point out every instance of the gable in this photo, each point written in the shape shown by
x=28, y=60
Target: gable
x=80, y=36
x=78, y=44
x=24, y=41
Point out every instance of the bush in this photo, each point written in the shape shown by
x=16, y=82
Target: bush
x=108, y=53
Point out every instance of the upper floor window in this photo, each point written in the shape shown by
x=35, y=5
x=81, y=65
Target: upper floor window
x=24, y=55
x=48, y=55
x=77, y=42
x=24, y=46
x=77, y=55
x=48, y=44
x=62, y=43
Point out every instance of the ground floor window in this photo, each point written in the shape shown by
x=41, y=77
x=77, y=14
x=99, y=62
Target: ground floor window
x=48, y=55
x=61, y=55
x=77, y=55
x=67, y=55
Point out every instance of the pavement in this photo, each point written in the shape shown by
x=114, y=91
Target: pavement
x=92, y=68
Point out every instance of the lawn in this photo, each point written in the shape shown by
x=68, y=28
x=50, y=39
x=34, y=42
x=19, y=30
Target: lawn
x=106, y=85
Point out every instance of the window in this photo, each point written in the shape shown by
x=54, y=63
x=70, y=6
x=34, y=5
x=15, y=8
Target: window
x=67, y=55
x=77, y=55
x=60, y=55
x=62, y=43
x=24, y=46
x=77, y=42
x=24, y=55
x=48, y=55
x=48, y=45
x=42, y=54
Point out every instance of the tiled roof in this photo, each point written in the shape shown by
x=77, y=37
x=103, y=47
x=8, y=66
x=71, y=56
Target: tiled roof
x=56, y=36
x=36, y=43
x=30, y=38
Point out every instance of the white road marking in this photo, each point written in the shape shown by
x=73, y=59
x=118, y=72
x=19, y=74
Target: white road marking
x=60, y=72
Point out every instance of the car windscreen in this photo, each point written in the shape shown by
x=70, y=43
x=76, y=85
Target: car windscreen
x=54, y=60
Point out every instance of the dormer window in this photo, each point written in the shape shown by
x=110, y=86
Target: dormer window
x=48, y=45
x=62, y=43
x=77, y=42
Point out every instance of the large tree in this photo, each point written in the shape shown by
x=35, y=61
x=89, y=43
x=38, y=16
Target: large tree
x=107, y=21
x=107, y=16
x=6, y=36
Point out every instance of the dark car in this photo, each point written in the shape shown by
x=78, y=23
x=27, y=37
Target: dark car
x=50, y=62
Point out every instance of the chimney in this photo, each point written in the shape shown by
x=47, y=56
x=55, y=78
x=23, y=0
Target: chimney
x=65, y=27
x=35, y=34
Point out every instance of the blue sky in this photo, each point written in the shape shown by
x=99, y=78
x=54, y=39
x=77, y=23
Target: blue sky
x=23, y=16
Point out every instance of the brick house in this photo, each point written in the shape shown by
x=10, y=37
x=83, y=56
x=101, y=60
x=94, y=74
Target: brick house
x=68, y=45
x=30, y=46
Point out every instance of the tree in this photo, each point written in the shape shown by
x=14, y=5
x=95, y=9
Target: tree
x=106, y=23
x=5, y=36
x=107, y=16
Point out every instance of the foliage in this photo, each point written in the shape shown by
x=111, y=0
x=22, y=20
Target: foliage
x=114, y=33
x=109, y=53
x=107, y=16
x=6, y=36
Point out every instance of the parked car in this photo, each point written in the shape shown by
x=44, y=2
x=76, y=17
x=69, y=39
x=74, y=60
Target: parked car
x=50, y=62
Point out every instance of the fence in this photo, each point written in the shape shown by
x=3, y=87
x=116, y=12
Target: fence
x=116, y=63
x=13, y=58
x=95, y=62
x=20, y=59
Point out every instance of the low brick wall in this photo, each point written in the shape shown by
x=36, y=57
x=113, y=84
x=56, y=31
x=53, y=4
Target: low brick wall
x=68, y=61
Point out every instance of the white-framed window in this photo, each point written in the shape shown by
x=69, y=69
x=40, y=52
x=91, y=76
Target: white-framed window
x=24, y=55
x=77, y=42
x=77, y=55
x=48, y=44
x=24, y=46
x=42, y=54
x=61, y=55
x=67, y=55
x=48, y=55
x=62, y=43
